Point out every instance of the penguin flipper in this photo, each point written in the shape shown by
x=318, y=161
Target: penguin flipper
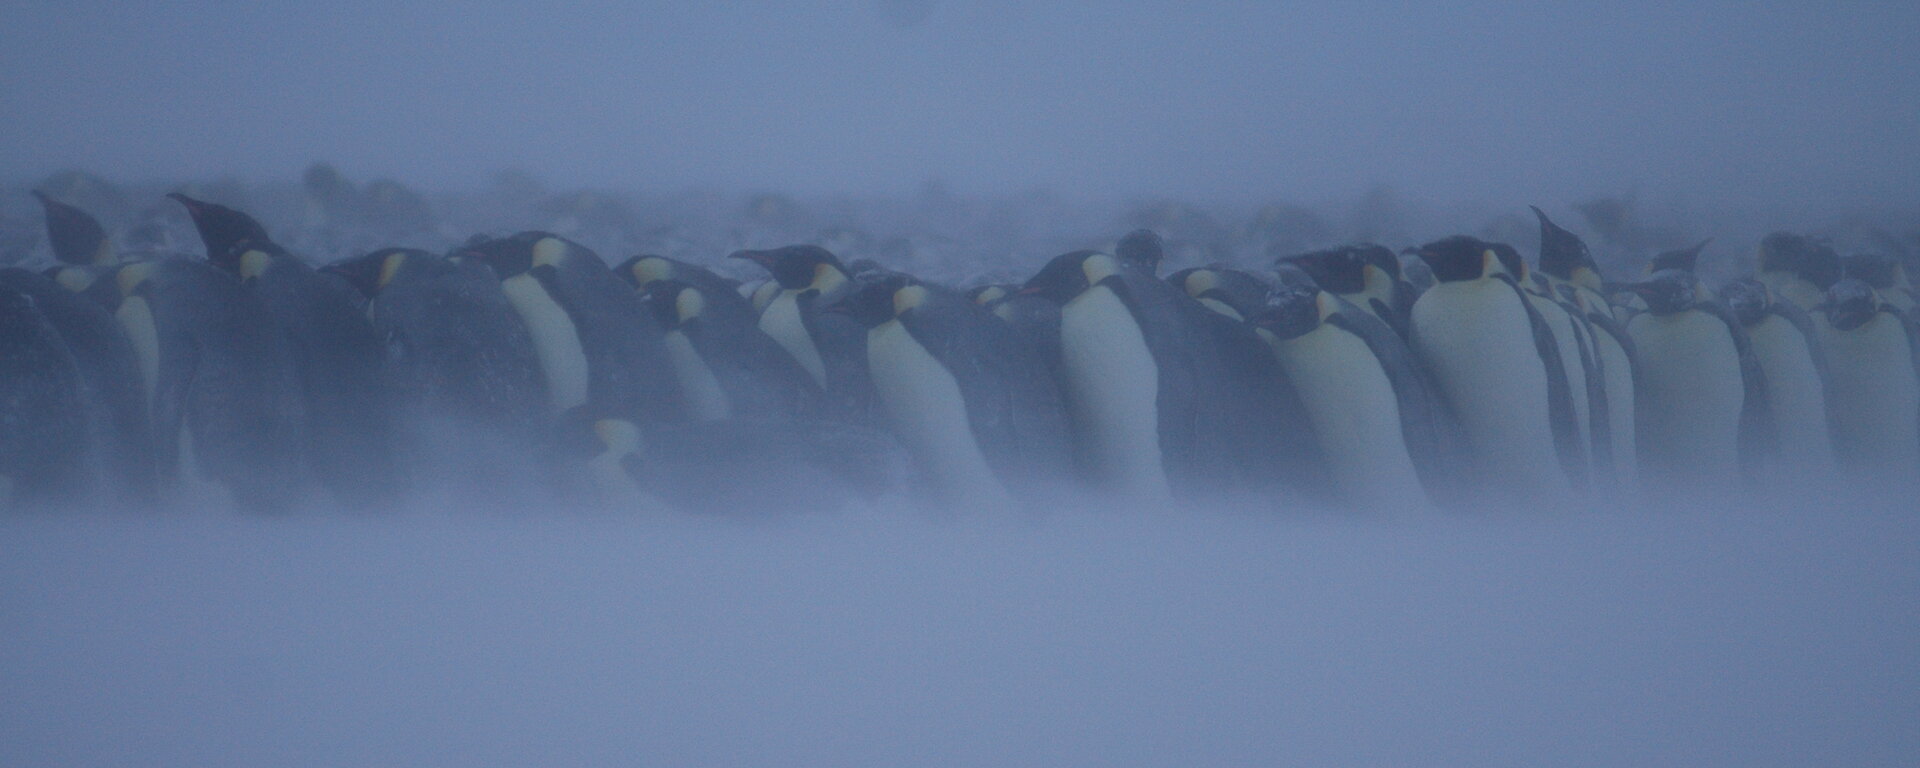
x=1757, y=439
x=1560, y=412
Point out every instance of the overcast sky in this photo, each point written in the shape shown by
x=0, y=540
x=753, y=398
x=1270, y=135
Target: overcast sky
x=1737, y=101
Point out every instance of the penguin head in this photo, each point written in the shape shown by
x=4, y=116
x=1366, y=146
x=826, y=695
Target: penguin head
x=1748, y=299
x=1684, y=259
x=646, y=268
x=1292, y=311
x=673, y=303
x=227, y=233
x=1071, y=274
x=76, y=236
x=1229, y=291
x=370, y=274
x=1563, y=255
x=520, y=253
x=1141, y=249
x=1461, y=258
x=875, y=300
x=1850, y=304
x=799, y=267
x=1341, y=270
x=1801, y=257
x=1667, y=291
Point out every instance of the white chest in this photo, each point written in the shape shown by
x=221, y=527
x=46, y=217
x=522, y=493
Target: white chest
x=705, y=397
x=1475, y=338
x=1115, y=387
x=1874, y=398
x=1691, y=393
x=781, y=320
x=1795, y=394
x=1351, y=404
x=555, y=342
x=926, y=409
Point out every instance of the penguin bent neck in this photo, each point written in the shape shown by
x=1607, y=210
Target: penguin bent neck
x=555, y=341
x=781, y=320
x=1115, y=383
x=706, y=399
x=1476, y=338
x=1354, y=412
x=1691, y=395
x=925, y=406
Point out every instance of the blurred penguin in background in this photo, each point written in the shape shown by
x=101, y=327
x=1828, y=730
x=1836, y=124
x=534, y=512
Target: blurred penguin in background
x=1873, y=385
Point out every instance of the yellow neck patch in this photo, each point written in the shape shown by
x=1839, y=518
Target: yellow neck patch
x=648, y=270
x=549, y=251
x=619, y=436
x=1200, y=281
x=1098, y=267
x=689, y=304
x=131, y=276
x=104, y=255
x=73, y=278
x=908, y=298
x=826, y=278
x=990, y=295
x=253, y=264
x=390, y=267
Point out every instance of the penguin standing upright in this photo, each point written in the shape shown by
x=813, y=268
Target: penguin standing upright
x=1497, y=369
x=974, y=406
x=463, y=364
x=1701, y=406
x=1365, y=274
x=1798, y=269
x=1367, y=400
x=1787, y=348
x=1873, y=385
x=1572, y=275
x=223, y=393
x=1586, y=383
x=336, y=353
x=76, y=236
x=832, y=348
x=597, y=344
x=43, y=421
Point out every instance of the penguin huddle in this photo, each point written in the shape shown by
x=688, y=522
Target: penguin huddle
x=526, y=369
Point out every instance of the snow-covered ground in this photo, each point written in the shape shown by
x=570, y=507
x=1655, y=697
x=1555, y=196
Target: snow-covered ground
x=1738, y=637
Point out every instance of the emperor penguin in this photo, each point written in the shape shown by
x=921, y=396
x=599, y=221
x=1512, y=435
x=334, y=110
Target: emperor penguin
x=1873, y=385
x=1497, y=368
x=1165, y=396
x=830, y=347
x=1367, y=399
x=727, y=367
x=1365, y=274
x=337, y=356
x=1886, y=275
x=1569, y=272
x=1798, y=269
x=1586, y=382
x=76, y=236
x=1033, y=319
x=973, y=405
x=1787, y=347
x=223, y=393
x=1231, y=292
x=1701, y=407
x=462, y=361
x=112, y=391
x=596, y=342
x=641, y=270
x=43, y=417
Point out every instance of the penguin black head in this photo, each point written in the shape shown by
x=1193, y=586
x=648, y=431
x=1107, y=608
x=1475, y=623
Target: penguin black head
x=227, y=233
x=1748, y=299
x=1242, y=292
x=519, y=253
x=1800, y=256
x=1070, y=274
x=673, y=303
x=1460, y=258
x=1340, y=270
x=797, y=267
x=76, y=236
x=1881, y=272
x=1290, y=311
x=369, y=274
x=1850, y=304
x=1562, y=253
x=1685, y=259
x=1667, y=291
x=1141, y=249
x=877, y=299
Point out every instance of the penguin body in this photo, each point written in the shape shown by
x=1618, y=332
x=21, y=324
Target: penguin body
x=43, y=414
x=597, y=344
x=974, y=405
x=1786, y=346
x=1873, y=393
x=1496, y=366
x=336, y=354
x=1701, y=404
x=727, y=367
x=831, y=347
x=114, y=393
x=1366, y=399
x=1571, y=276
x=225, y=400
